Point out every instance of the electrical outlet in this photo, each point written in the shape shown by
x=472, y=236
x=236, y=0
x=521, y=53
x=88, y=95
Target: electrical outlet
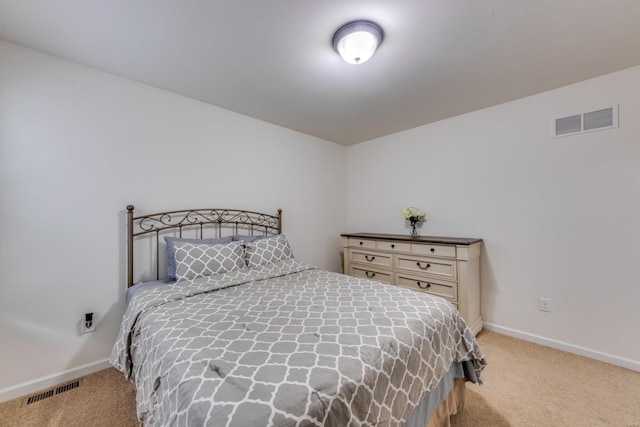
x=88, y=323
x=544, y=304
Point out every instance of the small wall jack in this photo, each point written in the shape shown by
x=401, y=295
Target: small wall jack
x=88, y=325
x=544, y=304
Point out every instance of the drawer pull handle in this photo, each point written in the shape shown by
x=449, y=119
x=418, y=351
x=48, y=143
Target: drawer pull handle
x=369, y=259
x=361, y=243
x=426, y=286
x=372, y=274
x=433, y=249
x=421, y=267
x=393, y=246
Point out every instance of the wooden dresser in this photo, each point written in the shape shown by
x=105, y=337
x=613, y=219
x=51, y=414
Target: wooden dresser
x=443, y=266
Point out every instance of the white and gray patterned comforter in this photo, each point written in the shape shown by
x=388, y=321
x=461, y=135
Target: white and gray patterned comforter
x=287, y=344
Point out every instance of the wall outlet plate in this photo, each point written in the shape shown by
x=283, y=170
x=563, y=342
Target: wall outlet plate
x=544, y=304
x=92, y=328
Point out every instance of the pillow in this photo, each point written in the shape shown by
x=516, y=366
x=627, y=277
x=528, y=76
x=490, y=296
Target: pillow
x=268, y=250
x=246, y=239
x=198, y=260
x=143, y=286
x=171, y=252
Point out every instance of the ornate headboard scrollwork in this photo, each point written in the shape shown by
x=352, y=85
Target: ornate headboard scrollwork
x=219, y=222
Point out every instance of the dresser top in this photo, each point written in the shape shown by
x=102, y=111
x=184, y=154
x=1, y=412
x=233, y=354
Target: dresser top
x=420, y=239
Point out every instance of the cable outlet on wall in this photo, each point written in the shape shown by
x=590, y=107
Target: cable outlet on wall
x=544, y=304
x=88, y=323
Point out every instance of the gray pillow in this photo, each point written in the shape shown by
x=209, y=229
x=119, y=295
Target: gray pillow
x=246, y=239
x=268, y=250
x=197, y=260
x=171, y=252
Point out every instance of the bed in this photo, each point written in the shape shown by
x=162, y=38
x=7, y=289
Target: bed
x=246, y=335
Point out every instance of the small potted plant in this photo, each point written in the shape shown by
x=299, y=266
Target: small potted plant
x=415, y=217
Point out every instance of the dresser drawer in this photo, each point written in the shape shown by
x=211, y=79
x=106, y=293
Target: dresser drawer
x=362, y=243
x=370, y=258
x=440, y=268
x=393, y=246
x=372, y=274
x=434, y=250
x=434, y=287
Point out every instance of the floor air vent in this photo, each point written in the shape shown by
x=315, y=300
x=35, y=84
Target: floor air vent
x=605, y=118
x=67, y=387
x=52, y=392
x=38, y=397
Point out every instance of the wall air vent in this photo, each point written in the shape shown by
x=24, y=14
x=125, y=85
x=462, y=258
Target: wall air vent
x=604, y=118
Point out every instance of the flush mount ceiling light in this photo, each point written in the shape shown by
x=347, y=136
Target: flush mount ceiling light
x=357, y=41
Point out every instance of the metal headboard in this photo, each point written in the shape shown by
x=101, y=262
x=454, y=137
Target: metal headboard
x=231, y=221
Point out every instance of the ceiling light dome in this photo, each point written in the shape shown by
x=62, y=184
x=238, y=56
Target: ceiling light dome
x=357, y=41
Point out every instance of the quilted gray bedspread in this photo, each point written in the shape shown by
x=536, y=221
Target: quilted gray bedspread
x=287, y=345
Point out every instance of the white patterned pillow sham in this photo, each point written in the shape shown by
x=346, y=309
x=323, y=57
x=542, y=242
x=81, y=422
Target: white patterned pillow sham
x=269, y=250
x=197, y=260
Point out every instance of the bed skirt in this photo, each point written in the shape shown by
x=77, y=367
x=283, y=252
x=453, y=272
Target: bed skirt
x=446, y=399
x=451, y=405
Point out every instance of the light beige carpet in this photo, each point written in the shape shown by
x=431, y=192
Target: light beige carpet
x=105, y=399
x=531, y=385
x=525, y=385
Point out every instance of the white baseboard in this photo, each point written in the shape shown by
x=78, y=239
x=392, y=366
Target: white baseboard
x=560, y=345
x=52, y=380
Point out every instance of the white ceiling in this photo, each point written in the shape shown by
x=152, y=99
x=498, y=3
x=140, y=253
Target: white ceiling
x=273, y=60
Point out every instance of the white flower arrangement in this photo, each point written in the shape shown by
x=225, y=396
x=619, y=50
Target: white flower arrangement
x=413, y=214
x=415, y=217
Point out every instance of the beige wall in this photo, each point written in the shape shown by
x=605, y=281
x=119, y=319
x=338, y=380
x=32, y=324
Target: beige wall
x=77, y=146
x=560, y=217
